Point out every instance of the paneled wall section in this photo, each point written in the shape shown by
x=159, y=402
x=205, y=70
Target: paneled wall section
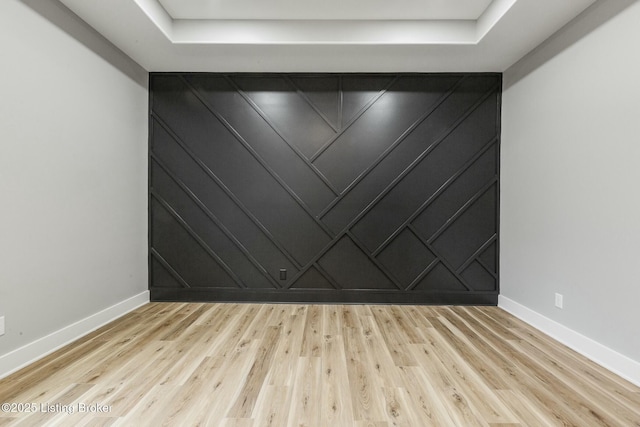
x=324, y=188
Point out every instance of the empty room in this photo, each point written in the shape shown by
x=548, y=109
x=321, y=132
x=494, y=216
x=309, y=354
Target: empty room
x=338, y=213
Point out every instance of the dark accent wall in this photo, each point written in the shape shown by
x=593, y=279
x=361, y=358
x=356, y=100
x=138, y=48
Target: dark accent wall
x=324, y=188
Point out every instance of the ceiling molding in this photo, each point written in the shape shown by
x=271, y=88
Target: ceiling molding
x=306, y=10
x=323, y=32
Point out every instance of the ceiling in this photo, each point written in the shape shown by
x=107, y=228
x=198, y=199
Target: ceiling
x=325, y=9
x=327, y=35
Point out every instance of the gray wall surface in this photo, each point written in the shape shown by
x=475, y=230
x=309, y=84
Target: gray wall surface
x=73, y=172
x=570, y=201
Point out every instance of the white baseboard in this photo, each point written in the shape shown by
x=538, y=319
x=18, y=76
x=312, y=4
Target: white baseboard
x=25, y=355
x=615, y=362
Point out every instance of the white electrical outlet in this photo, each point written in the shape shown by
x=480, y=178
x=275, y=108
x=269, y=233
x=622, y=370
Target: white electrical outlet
x=559, y=300
x=1, y=326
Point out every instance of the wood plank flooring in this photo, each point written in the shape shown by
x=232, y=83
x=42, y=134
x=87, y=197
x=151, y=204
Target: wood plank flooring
x=250, y=365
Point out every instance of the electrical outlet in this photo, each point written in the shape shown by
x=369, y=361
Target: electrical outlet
x=1, y=326
x=559, y=300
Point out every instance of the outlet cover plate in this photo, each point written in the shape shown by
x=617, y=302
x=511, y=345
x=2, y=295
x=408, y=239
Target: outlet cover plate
x=559, y=300
x=1, y=325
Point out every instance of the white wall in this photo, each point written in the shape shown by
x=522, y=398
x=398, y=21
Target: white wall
x=570, y=214
x=73, y=172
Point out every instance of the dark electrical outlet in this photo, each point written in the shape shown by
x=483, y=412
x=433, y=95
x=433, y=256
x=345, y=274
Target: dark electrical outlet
x=283, y=274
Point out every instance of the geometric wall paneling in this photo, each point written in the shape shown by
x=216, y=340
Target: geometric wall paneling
x=324, y=188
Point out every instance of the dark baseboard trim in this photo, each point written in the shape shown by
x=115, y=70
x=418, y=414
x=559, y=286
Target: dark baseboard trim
x=323, y=296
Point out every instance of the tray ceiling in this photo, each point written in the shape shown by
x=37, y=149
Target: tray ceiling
x=327, y=35
x=325, y=9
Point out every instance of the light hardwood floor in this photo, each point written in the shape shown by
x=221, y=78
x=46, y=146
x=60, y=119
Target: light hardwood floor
x=319, y=365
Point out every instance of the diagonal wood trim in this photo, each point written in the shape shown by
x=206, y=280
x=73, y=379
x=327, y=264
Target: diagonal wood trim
x=462, y=210
x=422, y=274
x=440, y=258
x=215, y=220
x=388, y=151
x=353, y=120
x=295, y=149
x=395, y=182
x=435, y=195
x=311, y=104
x=197, y=238
x=170, y=269
x=487, y=268
x=371, y=258
x=259, y=159
x=476, y=254
x=326, y=276
x=421, y=157
x=398, y=210
x=227, y=191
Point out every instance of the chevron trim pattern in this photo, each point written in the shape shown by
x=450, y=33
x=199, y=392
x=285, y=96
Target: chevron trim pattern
x=336, y=188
